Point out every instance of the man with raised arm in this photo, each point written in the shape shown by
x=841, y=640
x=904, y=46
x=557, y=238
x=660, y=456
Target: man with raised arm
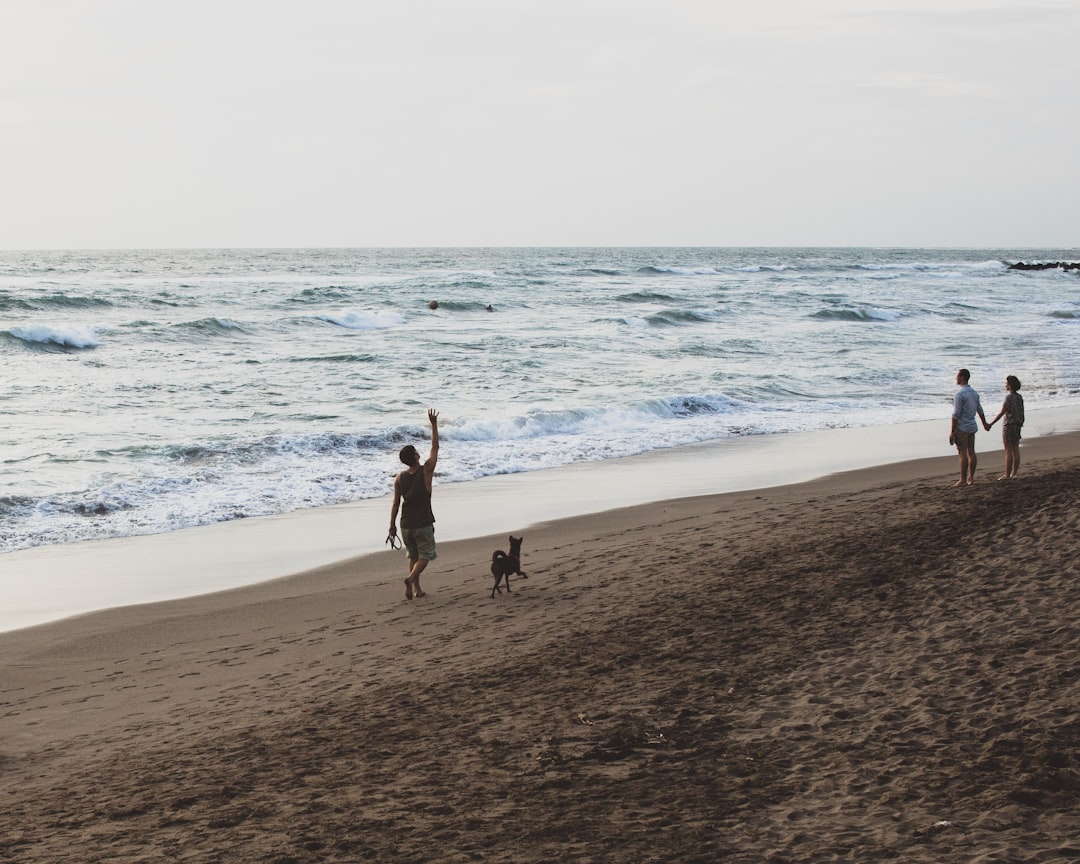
x=412, y=495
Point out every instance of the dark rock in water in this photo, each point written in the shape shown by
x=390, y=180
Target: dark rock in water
x=1052, y=265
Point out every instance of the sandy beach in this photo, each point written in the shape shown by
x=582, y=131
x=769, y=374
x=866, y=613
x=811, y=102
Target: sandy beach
x=873, y=666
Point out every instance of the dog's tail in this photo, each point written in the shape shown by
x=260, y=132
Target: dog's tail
x=497, y=554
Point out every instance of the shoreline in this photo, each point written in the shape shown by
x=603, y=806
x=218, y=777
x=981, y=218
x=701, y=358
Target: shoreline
x=56, y=583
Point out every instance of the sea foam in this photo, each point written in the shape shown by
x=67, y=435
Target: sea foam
x=64, y=336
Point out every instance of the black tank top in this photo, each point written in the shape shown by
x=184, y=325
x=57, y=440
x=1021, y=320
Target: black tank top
x=416, y=500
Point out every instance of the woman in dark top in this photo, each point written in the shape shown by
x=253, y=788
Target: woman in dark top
x=1012, y=409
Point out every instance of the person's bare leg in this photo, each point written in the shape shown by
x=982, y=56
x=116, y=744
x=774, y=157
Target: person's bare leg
x=1012, y=458
x=973, y=461
x=414, y=576
x=408, y=580
x=963, y=468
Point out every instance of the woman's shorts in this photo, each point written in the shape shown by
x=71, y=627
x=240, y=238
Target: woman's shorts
x=419, y=542
x=1010, y=433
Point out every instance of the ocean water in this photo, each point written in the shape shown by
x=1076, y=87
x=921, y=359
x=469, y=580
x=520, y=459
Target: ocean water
x=147, y=391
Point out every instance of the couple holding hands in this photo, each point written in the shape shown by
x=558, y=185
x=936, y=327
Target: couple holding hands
x=966, y=406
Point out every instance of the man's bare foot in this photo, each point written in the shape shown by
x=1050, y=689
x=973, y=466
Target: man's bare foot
x=408, y=589
x=421, y=593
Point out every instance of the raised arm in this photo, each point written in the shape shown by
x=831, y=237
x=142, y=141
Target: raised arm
x=433, y=456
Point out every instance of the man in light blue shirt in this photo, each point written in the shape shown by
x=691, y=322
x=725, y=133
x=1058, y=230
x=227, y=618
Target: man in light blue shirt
x=966, y=406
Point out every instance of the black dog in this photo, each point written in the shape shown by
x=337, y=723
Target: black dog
x=502, y=565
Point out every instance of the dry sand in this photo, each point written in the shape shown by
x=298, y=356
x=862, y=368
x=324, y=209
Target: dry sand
x=870, y=667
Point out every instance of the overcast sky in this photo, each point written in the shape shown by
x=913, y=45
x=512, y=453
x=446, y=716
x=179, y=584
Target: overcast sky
x=256, y=123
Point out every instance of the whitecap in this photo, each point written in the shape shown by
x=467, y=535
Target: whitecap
x=68, y=337
x=858, y=314
x=354, y=319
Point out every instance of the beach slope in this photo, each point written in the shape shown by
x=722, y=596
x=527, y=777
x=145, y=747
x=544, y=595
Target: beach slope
x=871, y=666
